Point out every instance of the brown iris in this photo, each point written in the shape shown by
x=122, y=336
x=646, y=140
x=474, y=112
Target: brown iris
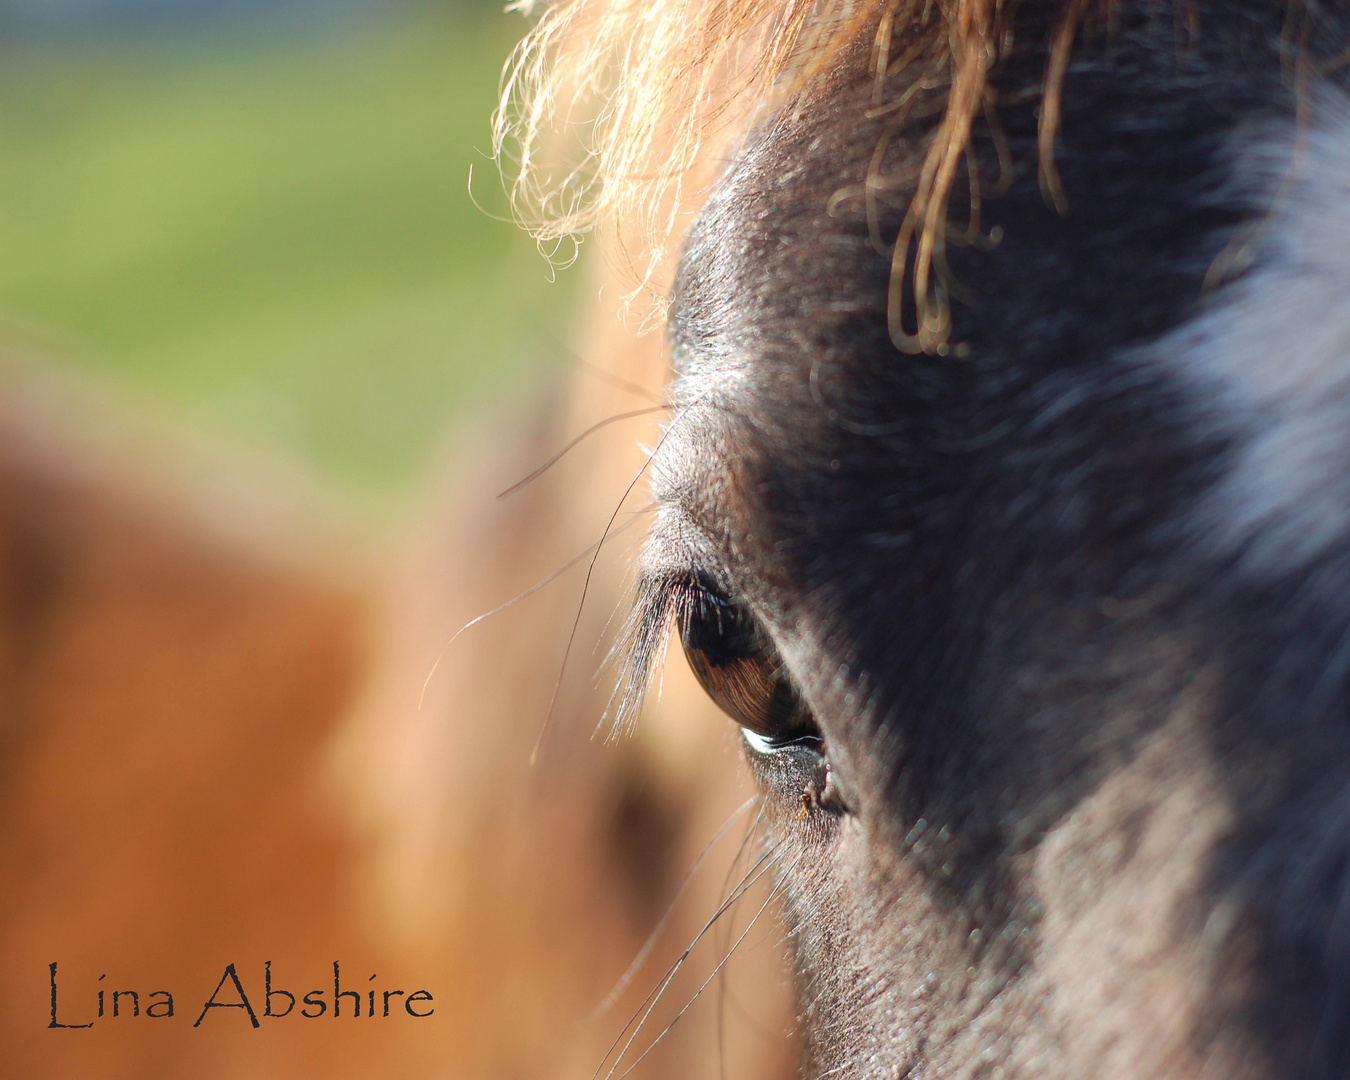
x=738, y=666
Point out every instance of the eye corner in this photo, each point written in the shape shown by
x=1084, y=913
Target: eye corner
x=765, y=745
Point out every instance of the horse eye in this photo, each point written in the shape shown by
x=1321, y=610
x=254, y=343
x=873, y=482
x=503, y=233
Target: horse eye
x=737, y=665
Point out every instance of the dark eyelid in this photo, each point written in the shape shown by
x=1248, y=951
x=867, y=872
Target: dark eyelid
x=660, y=590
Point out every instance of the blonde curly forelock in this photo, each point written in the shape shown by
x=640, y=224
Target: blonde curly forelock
x=607, y=105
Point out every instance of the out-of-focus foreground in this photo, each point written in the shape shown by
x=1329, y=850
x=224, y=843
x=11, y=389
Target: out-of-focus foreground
x=220, y=747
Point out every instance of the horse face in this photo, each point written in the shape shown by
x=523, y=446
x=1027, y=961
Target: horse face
x=1038, y=640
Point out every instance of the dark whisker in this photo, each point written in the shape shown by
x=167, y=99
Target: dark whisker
x=643, y=953
x=571, y=445
x=749, y=1020
x=761, y=866
x=773, y=895
x=589, y=549
x=590, y=570
x=746, y=841
x=616, y=381
x=604, y=375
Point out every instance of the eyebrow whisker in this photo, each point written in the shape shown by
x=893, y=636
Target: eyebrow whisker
x=590, y=570
x=616, y=418
x=580, y=363
x=616, y=381
x=587, y=550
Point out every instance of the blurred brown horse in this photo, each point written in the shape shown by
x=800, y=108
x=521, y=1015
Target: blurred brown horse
x=220, y=747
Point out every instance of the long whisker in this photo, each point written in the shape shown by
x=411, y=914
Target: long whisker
x=749, y=1021
x=773, y=895
x=743, y=847
x=603, y=374
x=760, y=868
x=746, y=882
x=510, y=603
x=590, y=570
x=649, y=508
x=746, y=841
x=643, y=953
x=584, y=435
x=616, y=381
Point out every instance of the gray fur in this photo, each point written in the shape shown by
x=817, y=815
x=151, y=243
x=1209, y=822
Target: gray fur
x=1070, y=611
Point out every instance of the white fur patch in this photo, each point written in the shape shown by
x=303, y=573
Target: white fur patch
x=1273, y=355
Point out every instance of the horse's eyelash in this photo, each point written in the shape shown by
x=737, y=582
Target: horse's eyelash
x=645, y=632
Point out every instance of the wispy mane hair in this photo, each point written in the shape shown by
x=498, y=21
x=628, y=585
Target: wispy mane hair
x=606, y=106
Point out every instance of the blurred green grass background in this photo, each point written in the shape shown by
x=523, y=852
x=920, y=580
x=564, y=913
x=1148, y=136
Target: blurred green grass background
x=273, y=232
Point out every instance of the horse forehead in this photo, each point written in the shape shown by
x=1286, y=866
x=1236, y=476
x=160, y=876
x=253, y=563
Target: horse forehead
x=770, y=258
x=774, y=289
